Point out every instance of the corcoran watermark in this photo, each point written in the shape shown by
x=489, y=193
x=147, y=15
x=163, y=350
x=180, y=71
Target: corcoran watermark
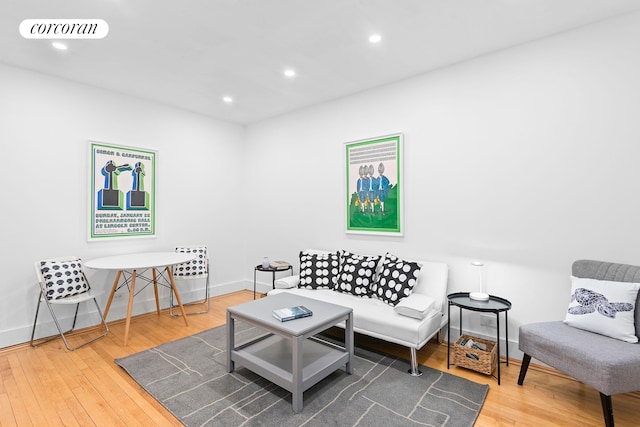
x=64, y=28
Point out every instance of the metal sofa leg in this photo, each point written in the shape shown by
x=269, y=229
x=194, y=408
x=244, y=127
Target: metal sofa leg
x=523, y=368
x=607, y=409
x=414, y=371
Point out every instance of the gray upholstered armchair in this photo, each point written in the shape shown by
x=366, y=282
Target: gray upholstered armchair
x=609, y=365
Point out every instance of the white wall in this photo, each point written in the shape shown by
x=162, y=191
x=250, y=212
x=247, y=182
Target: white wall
x=45, y=125
x=526, y=159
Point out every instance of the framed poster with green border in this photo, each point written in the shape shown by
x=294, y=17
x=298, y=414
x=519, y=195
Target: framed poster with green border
x=122, y=191
x=374, y=185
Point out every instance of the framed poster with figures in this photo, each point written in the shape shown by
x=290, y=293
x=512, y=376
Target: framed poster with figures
x=374, y=185
x=122, y=191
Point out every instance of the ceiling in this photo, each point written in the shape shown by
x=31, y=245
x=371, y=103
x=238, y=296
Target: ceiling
x=192, y=53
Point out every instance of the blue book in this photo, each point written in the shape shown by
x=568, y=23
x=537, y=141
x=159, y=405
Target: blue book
x=291, y=313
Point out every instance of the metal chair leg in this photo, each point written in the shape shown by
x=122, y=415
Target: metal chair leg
x=35, y=322
x=62, y=333
x=206, y=300
x=55, y=320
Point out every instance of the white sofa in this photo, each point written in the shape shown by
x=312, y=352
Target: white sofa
x=412, y=322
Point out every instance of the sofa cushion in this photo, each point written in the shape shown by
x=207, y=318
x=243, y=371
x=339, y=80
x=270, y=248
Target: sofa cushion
x=396, y=279
x=604, y=307
x=318, y=270
x=357, y=273
x=375, y=318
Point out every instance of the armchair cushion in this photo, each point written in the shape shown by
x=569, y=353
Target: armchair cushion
x=608, y=365
x=604, y=307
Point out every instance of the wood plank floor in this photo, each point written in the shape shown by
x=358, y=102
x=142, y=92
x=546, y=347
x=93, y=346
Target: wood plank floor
x=50, y=386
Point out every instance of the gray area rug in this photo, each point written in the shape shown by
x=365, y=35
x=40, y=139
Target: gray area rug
x=189, y=377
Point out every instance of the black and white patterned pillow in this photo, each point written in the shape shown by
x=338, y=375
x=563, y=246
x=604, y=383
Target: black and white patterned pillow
x=396, y=280
x=195, y=267
x=357, y=273
x=63, y=278
x=318, y=270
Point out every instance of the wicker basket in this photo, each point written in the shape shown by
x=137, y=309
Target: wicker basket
x=486, y=362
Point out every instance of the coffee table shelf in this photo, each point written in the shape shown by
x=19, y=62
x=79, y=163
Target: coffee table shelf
x=270, y=357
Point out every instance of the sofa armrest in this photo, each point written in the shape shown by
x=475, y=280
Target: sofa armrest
x=287, y=282
x=415, y=305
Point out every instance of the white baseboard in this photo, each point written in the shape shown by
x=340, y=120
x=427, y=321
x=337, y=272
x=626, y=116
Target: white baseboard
x=88, y=316
x=145, y=303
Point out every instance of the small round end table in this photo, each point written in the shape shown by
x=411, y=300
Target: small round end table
x=494, y=305
x=273, y=271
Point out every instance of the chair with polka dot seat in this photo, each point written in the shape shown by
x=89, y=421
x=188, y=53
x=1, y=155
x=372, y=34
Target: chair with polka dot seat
x=62, y=282
x=197, y=268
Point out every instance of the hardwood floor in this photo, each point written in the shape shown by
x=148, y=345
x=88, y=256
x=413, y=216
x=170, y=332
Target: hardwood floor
x=50, y=386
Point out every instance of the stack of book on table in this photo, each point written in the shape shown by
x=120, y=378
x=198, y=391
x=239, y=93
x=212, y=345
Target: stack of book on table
x=279, y=264
x=290, y=313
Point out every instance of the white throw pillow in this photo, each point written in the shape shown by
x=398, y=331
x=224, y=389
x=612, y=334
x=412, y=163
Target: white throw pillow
x=287, y=282
x=416, y=306
x=604, y=307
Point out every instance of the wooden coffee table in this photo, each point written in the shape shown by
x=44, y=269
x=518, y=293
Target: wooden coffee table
x=288, y=354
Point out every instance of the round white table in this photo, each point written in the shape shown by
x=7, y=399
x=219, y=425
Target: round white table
x=134, y=265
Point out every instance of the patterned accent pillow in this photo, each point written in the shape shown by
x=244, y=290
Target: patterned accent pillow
x=357, y=273
x=318, y=270
x=195, y=267
x=604, y=307
x=396, y=280
x=63, y=278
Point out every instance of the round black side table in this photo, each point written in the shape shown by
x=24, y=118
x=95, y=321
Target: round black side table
x=495, y=305
x=272, y=270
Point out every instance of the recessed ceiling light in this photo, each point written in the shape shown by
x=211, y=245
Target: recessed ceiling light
x=375, y=38
x=59, y=46
x=227, y=99
x=289, y=72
